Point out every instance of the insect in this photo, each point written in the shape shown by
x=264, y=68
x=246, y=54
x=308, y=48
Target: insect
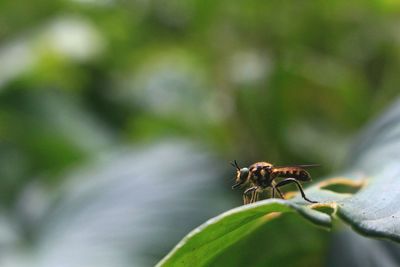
x=262, y=175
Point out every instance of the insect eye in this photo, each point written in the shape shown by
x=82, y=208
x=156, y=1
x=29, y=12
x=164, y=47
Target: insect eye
x=244, y=172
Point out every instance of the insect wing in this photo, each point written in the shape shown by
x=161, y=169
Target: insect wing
x=298, y=166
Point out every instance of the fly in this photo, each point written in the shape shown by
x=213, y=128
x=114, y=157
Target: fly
x=262, y=175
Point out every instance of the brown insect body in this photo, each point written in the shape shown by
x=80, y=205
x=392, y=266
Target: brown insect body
x=292, y=172
x=262, y=175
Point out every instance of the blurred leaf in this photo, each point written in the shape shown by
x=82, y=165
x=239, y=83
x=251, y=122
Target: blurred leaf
x=108, y=212
x=373, y=211
x=351, y=249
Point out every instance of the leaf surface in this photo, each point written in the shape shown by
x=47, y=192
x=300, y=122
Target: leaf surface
x=366, y=196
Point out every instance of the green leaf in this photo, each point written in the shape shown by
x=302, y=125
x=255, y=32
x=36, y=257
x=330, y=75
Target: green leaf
x=204, y=243
x=217, y=234
x=372, y=211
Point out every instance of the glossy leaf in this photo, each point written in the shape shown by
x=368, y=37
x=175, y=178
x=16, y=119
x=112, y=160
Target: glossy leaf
x=372, y=211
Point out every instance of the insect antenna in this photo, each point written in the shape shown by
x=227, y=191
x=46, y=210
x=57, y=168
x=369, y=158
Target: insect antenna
x=235, y=164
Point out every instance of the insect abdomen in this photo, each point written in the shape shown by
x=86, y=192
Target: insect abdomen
x=297, y=173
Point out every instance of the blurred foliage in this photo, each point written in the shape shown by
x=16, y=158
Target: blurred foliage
x=279, y=81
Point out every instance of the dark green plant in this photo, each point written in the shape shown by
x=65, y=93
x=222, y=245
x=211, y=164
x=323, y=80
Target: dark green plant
x=373, y=210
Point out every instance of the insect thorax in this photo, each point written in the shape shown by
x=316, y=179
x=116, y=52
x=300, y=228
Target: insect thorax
x=261, y=174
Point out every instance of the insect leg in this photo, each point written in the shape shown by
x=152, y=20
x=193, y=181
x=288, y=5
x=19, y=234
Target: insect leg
x=279, y=192
x=247, y=196
x=254, y=197
x=292, y=180
x=246, y=199
x=275, y=188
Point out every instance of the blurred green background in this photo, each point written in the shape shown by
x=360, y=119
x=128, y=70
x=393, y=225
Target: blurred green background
x=286, y=82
